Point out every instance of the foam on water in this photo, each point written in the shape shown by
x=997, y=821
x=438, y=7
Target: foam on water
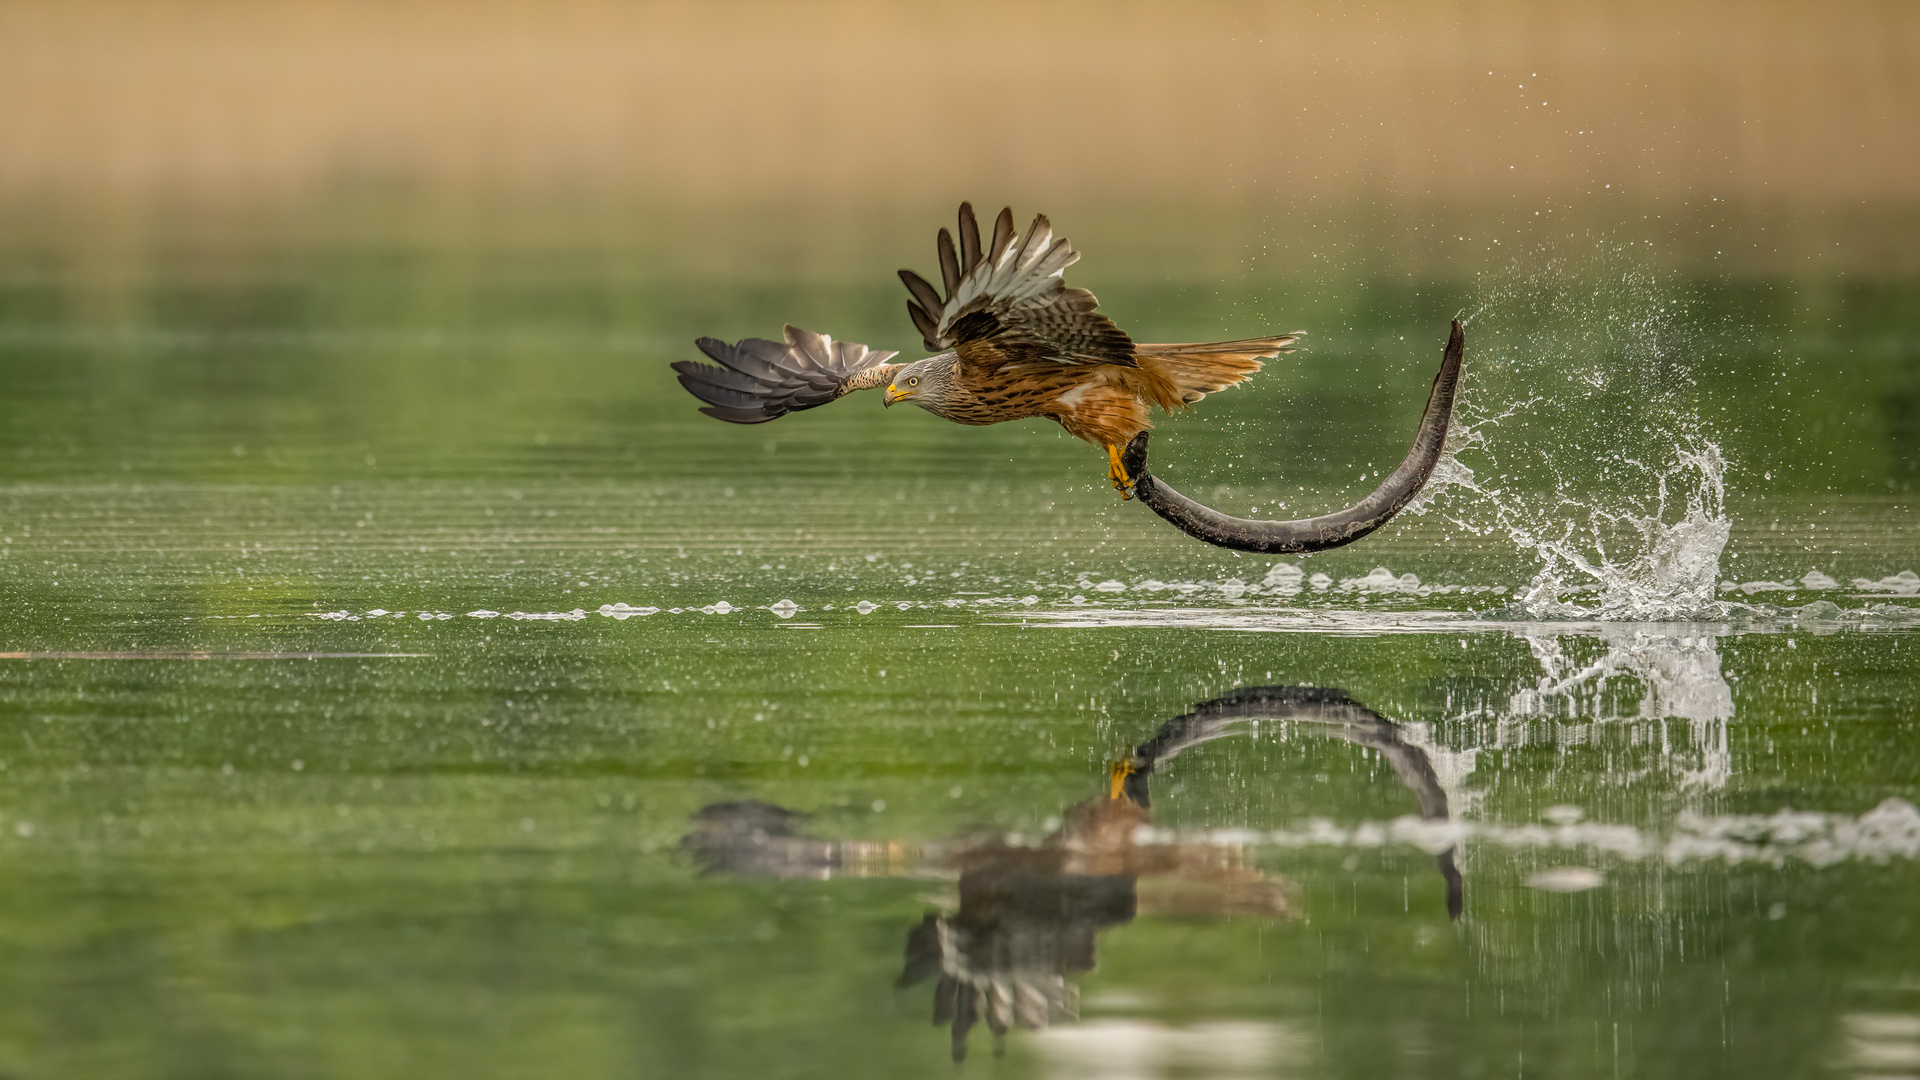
x=1373, y=602
x=1889, y=831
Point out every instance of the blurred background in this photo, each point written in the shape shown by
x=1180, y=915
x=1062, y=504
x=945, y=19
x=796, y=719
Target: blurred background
x=1790, y=115
x=401, y=192
x=652, y=172
x=1383, y=125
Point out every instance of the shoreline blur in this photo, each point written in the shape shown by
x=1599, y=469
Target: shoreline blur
x=1415, y=137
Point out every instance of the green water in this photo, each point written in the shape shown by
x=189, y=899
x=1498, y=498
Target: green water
x=326, y=751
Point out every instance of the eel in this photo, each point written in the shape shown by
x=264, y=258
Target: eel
x=1329, y=530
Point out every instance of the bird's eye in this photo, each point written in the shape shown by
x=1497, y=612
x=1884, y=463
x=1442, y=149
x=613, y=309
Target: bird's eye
x=915, y=381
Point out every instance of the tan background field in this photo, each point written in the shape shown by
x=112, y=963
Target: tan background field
x=1791, y=119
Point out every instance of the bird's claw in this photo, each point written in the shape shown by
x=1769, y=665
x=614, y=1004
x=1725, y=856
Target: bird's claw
x=1117, y=472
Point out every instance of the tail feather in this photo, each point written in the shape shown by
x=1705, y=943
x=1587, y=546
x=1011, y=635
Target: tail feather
x=1201, y=368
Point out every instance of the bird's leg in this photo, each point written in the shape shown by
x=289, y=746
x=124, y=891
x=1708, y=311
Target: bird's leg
x=1117, y=778
x=1117, y=472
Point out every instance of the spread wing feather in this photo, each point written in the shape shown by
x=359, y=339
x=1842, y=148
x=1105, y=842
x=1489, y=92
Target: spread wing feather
x=760, y=380
x=1012, y=305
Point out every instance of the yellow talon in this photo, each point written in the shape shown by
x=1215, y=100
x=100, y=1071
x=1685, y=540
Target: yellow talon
x=1117, y=778
x=1117, y=472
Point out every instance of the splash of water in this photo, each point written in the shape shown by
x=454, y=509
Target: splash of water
x=1586, y=445
x=1651, y=555
x=1669, y=570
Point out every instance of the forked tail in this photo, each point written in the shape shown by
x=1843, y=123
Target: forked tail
x=1197, y=369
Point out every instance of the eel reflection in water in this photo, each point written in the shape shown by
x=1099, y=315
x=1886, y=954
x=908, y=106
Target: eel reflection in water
x=1314, y=710
x=1028, y=914
x=1329, y=530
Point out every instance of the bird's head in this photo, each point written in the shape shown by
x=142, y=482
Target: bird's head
x=923, y=382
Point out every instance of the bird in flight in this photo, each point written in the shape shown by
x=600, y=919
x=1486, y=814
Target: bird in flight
x=1012, y=341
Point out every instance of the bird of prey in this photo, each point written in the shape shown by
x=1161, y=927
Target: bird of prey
x=1012, y=341
x=1029, y=913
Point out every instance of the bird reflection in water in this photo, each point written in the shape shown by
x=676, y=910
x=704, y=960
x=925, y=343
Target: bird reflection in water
x=1028, y=914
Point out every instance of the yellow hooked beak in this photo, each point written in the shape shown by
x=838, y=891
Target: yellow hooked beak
x=894, y=393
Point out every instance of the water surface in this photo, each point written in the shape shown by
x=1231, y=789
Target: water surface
x=363, y=686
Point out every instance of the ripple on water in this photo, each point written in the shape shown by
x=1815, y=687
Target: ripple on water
x=1889, y=831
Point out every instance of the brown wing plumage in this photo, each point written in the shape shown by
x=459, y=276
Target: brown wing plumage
x=1009, y=304
x=760, y=380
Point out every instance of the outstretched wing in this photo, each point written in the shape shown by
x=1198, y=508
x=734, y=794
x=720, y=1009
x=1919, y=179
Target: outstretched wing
x=1010, y=304
x=760, y=380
